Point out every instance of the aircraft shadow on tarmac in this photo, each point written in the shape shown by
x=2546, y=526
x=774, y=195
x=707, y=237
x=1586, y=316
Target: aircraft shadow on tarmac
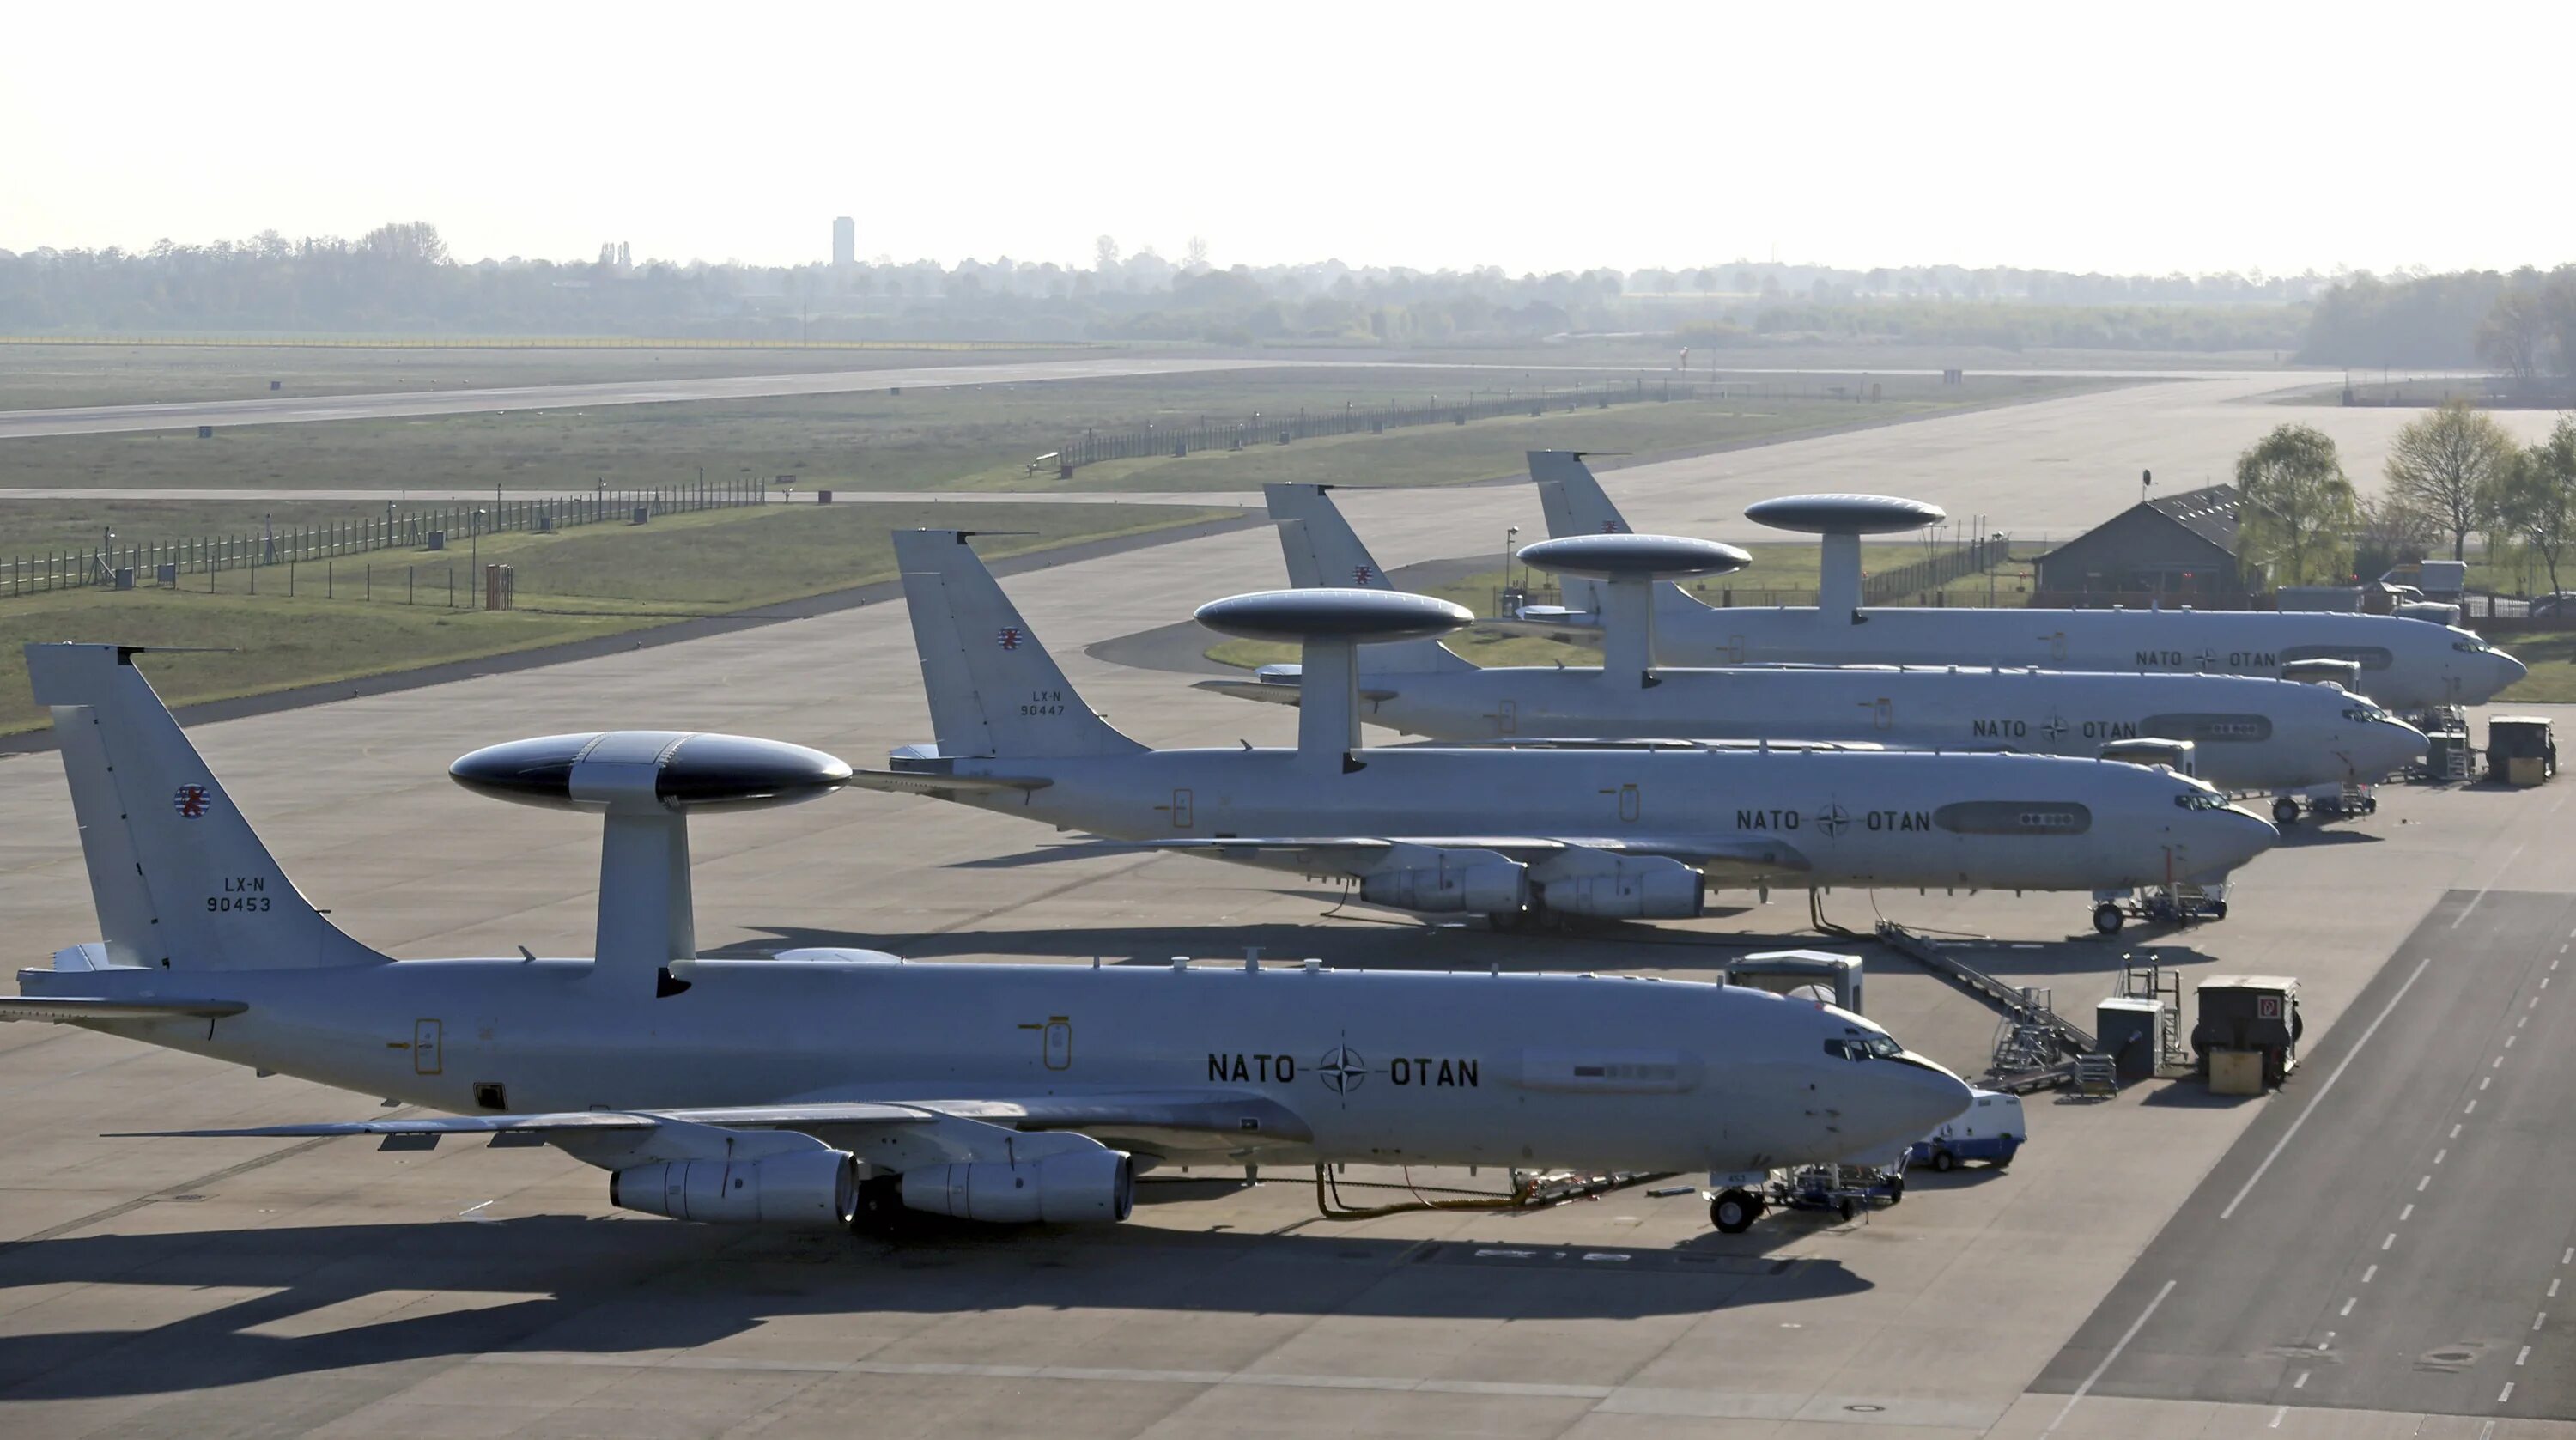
x=614, y=1287
x=2307, y=837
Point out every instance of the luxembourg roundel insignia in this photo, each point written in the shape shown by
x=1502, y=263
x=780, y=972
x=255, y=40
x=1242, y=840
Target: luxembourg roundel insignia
x=192, y=802
x=1008, y=637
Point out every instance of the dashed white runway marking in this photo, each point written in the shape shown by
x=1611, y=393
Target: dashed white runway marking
x=2553, y=1289
x=2508, y=1393
x=2391, y=1240
x=2485, y=1080
x=2277, y=1414
x=2319, y=1098
x=2524, y=1357
x=2440, y=1155
x=2420, y=1184
x=2472, y=1108
x=2370, y=1274
x=2455, y=1133
x=2301, y=1383
x=2402, y=1217
x=2536, y=1320
x=2347, y=1306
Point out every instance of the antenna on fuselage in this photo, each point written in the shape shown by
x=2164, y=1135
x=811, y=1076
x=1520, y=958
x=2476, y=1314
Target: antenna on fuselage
x=1841, y=520
x=1629, y=567
x=644, y=784
x=1329, y=626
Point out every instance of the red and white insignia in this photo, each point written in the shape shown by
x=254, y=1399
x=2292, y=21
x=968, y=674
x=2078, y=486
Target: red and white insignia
x=1610, y=527
x=1362, y=574
x=1008, y=638
x=192, y=802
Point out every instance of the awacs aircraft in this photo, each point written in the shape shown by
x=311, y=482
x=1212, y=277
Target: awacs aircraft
x=1515, y=834
x=829, y=1087
x=2248, y=733
x=2405, y=664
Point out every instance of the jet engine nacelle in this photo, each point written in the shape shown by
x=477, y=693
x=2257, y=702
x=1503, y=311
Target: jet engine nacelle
x=1076, y=1187
x=1475, y=882
x=818, y=1188
x=1629, y=887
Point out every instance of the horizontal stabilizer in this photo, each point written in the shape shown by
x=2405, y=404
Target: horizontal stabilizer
x=68, y=1010
x=906, y=782
x=1276, y=692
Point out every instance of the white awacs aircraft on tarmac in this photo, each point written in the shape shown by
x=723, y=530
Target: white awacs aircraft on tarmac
x=2248, y=733
x=1602, y=830
x=827, y=1087
x=2406, y=664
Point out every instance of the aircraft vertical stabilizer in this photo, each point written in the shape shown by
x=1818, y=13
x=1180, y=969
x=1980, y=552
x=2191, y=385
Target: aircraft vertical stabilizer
x=180, y=879
x=994, y=690
x=1323, y=552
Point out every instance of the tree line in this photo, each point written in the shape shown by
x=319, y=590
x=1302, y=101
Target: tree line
x=2521, y=323
x=2451, y=474
x=400, y=278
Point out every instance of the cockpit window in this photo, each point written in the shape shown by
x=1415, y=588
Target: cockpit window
x=2201, y=800
x=1864, y=1047
x=2367, y=715
x=2472, y=647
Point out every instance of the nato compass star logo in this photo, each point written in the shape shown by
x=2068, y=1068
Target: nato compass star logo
x=1008, y=637
x=1343, y=1070
x=192, y=802
x=1833, y=820
x=2056, y=726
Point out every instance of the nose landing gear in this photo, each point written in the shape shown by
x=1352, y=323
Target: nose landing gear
x=1734, y=1211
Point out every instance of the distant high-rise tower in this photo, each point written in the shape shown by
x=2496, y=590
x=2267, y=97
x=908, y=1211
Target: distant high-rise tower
x=845, y=243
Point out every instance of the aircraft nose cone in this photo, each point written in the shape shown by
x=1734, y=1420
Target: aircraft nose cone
x=2509, y=672
x=2229, y=839
x=1933, y=1097
x=2395, y=746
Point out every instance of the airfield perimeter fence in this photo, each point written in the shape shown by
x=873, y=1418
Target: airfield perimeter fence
x=1178, y=440
x=441, y=527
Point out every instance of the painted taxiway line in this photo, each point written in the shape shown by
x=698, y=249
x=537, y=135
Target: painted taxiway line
x=2323, y=1090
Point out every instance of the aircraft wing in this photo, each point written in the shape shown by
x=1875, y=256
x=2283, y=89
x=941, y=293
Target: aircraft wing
x=909, y=782
x=72, y=1010
x=1231, y=1123
x=1358, y=855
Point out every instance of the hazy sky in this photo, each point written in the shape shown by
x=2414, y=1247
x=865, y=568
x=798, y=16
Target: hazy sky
x=2138, y=137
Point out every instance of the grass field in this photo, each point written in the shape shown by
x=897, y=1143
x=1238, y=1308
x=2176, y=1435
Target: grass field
x=570, y=586
x=40, y=376
x=966, y=437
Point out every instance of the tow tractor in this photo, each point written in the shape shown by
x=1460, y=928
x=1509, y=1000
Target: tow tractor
x=2177, y=902
x=1742, y=1197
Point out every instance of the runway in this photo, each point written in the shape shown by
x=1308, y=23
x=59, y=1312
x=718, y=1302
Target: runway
x=2385, y=1237
x=118, y=419
x=186, y=1287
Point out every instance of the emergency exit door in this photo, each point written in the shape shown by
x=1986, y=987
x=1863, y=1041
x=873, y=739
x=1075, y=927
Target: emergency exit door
x=428, y=1053
x=1182, y=819
x=1630, y=804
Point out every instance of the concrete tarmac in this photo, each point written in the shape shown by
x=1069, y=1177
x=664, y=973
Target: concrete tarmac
x=152, y=1287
